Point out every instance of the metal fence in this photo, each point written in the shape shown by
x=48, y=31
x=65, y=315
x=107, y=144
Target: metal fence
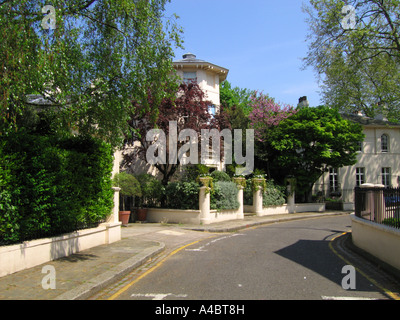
x=380, y=205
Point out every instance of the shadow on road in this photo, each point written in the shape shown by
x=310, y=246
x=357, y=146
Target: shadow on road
x=318, y=257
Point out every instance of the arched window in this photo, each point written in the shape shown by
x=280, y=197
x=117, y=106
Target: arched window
x=385, y=143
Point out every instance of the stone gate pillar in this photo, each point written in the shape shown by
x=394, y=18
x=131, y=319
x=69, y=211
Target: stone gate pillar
x=379, y=202
x=240, y=183
x=204, y=200
x=258, y=189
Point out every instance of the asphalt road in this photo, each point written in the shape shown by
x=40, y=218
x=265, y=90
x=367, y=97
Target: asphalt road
x=290, y=260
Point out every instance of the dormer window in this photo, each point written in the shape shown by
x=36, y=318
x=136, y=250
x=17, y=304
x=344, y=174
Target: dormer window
x=385, y=143
x=189, y=77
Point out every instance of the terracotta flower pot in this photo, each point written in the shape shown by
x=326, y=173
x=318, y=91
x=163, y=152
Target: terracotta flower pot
x=124, y=216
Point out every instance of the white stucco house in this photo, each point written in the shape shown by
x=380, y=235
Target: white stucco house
x=378, y=161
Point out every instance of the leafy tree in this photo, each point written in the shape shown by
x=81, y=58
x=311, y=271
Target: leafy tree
x=265, y=115
x=357, y=54
x=88, y=63
x=235, y=108
x=307, y=143
x=235, y=97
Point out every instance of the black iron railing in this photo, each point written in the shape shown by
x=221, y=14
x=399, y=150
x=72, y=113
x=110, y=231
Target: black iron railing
x=380, y=205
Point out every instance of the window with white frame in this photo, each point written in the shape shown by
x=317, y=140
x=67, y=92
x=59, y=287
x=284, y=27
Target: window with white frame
x=386, y=177
x=333, y=180
x=385, y=143
x=212, y=110
x=360, y=176
x=189, y=77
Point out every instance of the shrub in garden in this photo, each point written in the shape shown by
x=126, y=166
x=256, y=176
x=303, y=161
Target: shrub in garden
x=224, y=196
x=182, y=195
x=9, y=216
x=220, y=176
x=273, y=195
x=248, y=194
x=191, y=172
x=152, y=190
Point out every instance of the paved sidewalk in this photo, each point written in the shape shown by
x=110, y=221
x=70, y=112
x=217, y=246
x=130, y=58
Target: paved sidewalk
x=81, y=275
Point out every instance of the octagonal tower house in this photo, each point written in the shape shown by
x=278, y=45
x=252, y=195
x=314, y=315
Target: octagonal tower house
x=208, y=76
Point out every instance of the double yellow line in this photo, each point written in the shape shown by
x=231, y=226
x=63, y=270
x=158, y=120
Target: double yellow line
x=386, y=291
x=122, y=290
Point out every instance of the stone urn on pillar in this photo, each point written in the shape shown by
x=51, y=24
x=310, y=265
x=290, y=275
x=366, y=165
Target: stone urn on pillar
x=204, y=199
x=258, y=187
x=241, y=184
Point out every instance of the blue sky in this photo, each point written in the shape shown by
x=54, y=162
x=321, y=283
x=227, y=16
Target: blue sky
x=261, y=42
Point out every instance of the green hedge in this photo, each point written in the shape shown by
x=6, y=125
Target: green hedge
x=224, y=196
x=182, y=195
x=50, y=186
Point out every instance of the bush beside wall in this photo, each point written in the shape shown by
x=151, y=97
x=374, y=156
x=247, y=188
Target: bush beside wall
x=50, y=186
x=182, y=195
x=274, y=195
x=224, y=196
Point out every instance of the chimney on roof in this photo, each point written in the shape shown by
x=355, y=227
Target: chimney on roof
x=381, y=112
x=189, y=56
x=303, y=102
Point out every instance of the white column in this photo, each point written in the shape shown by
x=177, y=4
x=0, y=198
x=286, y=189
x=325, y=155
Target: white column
x=257, y=186
x=291, y=187
x=204, y=205
x=369, y=200
x=379, y=202
x=240, y=184
x=240, y=214
x=291, y=199
x=115, y=212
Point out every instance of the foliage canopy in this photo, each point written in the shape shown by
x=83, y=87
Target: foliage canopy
x=100, y=56
x=307, y=143
x=359, y=64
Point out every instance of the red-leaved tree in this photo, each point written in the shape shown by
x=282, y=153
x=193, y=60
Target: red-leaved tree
x=189, y=109
x=266, y=113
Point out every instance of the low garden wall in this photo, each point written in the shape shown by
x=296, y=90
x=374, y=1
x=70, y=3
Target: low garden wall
x=175, y=216
x=157, y=215
x=379, y=240
x=286, y=209
x=206, y=215
x=28, y=254
x=31, y=253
